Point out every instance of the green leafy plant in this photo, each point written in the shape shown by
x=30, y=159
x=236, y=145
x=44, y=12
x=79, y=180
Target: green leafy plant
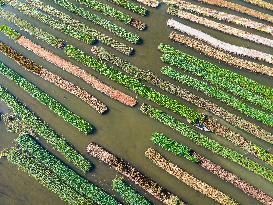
x=107, y=10
x=218, y=94
x=69, y=29
x=211, y=68
x=47, y=100
x=152, y=78
x=219, y=81
x=9, y=32
x=46, y=178
x=128, y=193
x=32, y=30
x=172, y=146
x=131, y=6
x=132, y=84
x=43, y=130
x=115, y=29
x=63, y=172
x=206, y=142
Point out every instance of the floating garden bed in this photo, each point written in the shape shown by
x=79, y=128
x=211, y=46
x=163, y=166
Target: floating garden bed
x=63, y=172
x=112, y=12
x=43, y=130
x=206, y=142
x=226, y=74
x=214, y=92
x=188, y=179
x=46, y=178
x=133, y=84
x=169, y=87
x=131, y=6
x=179, y=149
x=106, y=24
x=222, y=56
x=128, y=193
x=77, y=71
x=32, y=30
x=240, y=8
x=133, y=174
x=53, y=78
x=218, y=44
x=44, y=98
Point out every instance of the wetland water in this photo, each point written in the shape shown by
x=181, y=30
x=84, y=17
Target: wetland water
x=123, y=131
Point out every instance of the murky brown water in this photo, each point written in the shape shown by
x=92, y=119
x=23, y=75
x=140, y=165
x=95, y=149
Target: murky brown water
x=123, y=131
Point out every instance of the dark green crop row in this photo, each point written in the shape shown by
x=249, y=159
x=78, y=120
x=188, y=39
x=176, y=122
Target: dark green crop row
x=62, y=171
x=46, y=178
x=184, y=151
x=9, y=32
x=173, y=146
x=152, y=78
x=55, y=42
x=127, y=192
x=47, y=100
x=132, y=84
x=107, y=10
x=112, y=12
x=219, y=81
x=169, y=87
x=213, y=69
x=69, y=29
x=131, y=6
x=115, y=29
x=216, y=93
x=32, y=30
x=42, y=129
x=206, y=142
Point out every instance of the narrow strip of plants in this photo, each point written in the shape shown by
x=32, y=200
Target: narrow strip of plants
x=219, y=15
x=112, y=12
x=128, y=193
x=63, y=172
x=172, y=146
x=240, y=8
x=206, y=142
x=261, y=3
x=188, y=179
x=131, y=6
x=32, y=30
x=9, y=32
x=43, y=130
x=132, y=84
x=44, y=98
x=226, y=74
x=218, y=44
x=96, y=19
x=212, y=91
x=133, y=174
x=222, y=27
x=221, y=56
x=221, y=82
x=181, y=150
x=46, y=178
x=53, y=78
x=58, y=43
x=211, y=123
x=73, y=69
